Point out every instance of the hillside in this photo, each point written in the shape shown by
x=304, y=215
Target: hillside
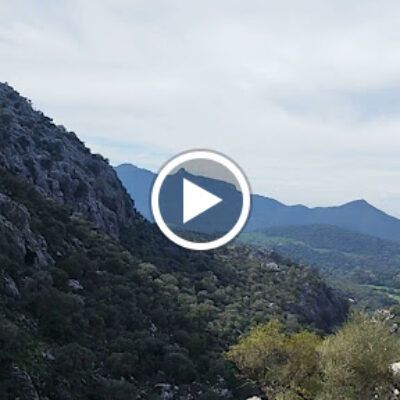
x=59, y=165
x=99, y=305
x=358, y=216
x=341, y=255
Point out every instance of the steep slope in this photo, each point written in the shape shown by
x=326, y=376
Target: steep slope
x=59, y=164
x=86, y=316
x=358, y=216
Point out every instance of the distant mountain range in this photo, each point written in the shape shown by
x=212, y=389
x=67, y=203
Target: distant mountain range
x=354, y=246
x=358, y=216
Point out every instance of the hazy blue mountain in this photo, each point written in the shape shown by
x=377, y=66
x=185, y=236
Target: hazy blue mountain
x=219, y=219
x=358, y=216
x=138, y=183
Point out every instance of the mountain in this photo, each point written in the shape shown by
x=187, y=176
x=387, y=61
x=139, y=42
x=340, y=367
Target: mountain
x=95, y=303
x=220, y=218
x=343, y=256
x=58, y=164
x=139, y=181
x=358, y=216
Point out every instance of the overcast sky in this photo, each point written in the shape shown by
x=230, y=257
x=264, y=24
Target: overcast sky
x=304, y=95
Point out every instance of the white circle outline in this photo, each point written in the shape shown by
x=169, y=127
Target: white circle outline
x=194, y=155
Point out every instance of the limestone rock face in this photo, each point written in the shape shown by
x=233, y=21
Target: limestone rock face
x=10, y=287
x=59, y=164
x=15, y=229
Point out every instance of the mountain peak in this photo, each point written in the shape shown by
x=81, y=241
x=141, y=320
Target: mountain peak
x=361, y=202
x=358, y=215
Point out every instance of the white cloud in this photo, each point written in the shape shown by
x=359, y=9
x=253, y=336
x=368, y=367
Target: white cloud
x=304, y=95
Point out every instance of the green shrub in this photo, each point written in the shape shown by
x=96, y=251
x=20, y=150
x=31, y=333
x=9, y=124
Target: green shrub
x=179, y=367
x=122, y=364
x=356, y=361
x=353, y=364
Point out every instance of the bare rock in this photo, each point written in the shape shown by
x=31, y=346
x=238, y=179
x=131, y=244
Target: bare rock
x=26, y=388
x=48, y=355
x=395, y=367
x=10, y=288
x=166, y=391
x=75, y=284
x=272, y=267
x=59, y=165
x=15, y=227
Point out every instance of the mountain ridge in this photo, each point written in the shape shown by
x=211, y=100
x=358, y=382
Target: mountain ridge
x=356, y=215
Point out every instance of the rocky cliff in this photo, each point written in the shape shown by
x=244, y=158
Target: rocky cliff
x=59, y=165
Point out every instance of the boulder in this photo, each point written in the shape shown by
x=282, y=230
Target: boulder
x=26, y=388
x=10, y=288
x=395, y=367
x=75, y=284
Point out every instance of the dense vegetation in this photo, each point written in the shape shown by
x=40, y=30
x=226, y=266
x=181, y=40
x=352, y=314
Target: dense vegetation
x=358, y=264
x=98, y=322
x=353, y=364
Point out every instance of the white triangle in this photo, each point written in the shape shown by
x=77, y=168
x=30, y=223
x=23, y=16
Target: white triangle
x=196, y=200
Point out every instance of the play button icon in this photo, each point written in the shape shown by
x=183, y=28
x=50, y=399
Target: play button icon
x=196, y=200
x=200, y=200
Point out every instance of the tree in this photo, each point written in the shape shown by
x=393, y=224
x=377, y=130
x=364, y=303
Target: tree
x=355, y=362
x=286, y=366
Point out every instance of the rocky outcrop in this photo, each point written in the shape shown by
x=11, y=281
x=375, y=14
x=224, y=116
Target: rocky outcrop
x=75, y=284
x=25, y=385
x=16, y=233
x=395, y=367
x=10, y=288
x=59, y=164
